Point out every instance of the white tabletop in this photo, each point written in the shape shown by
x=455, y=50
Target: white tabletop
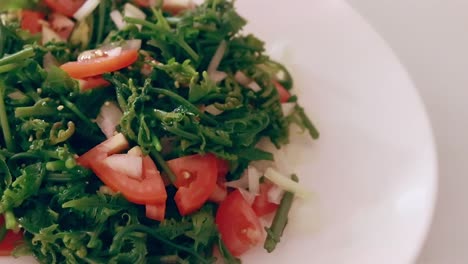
x=431, y=39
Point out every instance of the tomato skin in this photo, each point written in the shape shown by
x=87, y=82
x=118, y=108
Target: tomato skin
x=155, y=211
x=93, y=83
x=113, y=145
x=99, y=66
x=223, y=167
x=261, y=205
x=150, y=190
x=172, y=6
x=194, y=191
x=220, y=192
x=65, y=7
x=283, y=93
x=238, y=225
x=30, y=21
x=10, y=241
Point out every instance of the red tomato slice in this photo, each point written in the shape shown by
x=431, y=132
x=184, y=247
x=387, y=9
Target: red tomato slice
x=223, y=167
x=177, y=6
x=149, y=190
x=65, y=7
x=10, y=241
x=30, y=21
x=196, y=180
x=238, y=225
x=261, y=205
x=113, y=145
x=283, y=93
x=143, y=3
x=100, y=65
x=62, y=25
x=92, y=83
x=220, y=192
x=171, y=6
x=155, y=211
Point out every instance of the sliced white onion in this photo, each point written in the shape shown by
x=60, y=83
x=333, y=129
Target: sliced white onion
x=108, y=118
x=213, y=110
x=275, y=194
x=132, y=44
x=286, y=183
x=48, y=35
x=217, y=76
x=133, y=12
x=288, y=108
x=86, y=9
x=248, y=196
x=217, y=57
x=49, y=61
x=241, y=183
x=241, y=78
x=254, y=87
x=132, y=166
x=254, y=180
x=117, y=18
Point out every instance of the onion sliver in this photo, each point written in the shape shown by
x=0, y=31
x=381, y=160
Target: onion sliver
x=217, y=57
x=117, y=18
x=254, y=180
x=86, y=9
x=130, y=165
x=108, y=118
x=286, y=183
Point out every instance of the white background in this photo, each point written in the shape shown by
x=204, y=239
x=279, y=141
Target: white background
x=431, y=39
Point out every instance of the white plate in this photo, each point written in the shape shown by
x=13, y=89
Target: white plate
x=374, y=169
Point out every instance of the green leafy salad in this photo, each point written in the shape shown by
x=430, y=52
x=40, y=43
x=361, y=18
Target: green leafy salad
x=135, y=131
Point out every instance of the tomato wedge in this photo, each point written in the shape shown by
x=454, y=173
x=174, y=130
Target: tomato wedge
x=113, y=145
x=155, y=211
x=100, y=65
x=220, y=192
x=261, y=205
x=30, y=21
x=65, y=7
x=196, y=181
x=238, y=225
x=10, y=241
x=171, y=6
x=283, y=93
x=149, y=190
x=223, y=167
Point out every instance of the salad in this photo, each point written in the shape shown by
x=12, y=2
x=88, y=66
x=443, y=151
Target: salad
x=140, y=131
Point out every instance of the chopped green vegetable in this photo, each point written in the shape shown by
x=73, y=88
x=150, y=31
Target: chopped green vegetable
x=170, y=108
x=275, y=232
